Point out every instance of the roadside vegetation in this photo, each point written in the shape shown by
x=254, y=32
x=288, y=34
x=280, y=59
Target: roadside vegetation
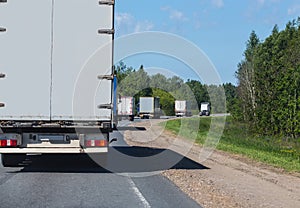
x=268, y=92
x=239, y=139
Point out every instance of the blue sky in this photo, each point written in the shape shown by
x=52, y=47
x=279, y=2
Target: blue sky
x=218, y=27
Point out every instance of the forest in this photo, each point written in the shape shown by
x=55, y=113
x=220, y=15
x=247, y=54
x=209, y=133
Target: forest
x=268, y=91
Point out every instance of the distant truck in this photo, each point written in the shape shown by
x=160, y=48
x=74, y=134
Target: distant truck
x=182, y=108
x=126, y=107
x=149, y=107
x=205, y=109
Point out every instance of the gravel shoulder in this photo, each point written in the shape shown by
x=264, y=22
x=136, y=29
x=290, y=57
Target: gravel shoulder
x=230, y=180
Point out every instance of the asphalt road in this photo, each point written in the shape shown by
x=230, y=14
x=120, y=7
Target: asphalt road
x=76, y=181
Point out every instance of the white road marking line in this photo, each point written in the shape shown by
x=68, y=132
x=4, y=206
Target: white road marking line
x=139, y=194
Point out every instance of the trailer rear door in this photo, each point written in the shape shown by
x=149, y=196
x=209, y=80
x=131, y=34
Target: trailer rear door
x=25, y=59
x=76, y=39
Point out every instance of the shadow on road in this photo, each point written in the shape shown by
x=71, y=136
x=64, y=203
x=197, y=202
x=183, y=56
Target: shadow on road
x=119, y=160
x=131, y=128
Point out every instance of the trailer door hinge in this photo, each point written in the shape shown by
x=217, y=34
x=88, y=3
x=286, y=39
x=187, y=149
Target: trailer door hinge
x=106, y=31
x=107, y=2
x=105, y=106
x=2, y=105
x=2, y=75
x=3, y=1
x=108, y=77
x=2, y=29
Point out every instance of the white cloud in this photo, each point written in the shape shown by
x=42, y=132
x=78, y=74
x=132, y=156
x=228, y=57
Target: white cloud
x=217, y=3
x=126, y=23
x=261, y=2
x=264, y=2
x=177, y=15
x=174, y=14
x=143, y=26
x=124, y=19
x=295, y=10
x=264, y=11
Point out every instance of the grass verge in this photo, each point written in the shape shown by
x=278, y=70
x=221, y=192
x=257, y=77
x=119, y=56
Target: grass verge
x=238, y=139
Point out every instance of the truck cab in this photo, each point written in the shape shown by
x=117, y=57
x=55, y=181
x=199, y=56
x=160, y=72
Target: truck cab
x=205, y=109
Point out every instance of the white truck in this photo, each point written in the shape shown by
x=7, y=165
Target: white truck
x=126, y=107
x=56, y=84
x=205, y=109
x=149, y=107
x=182, y=108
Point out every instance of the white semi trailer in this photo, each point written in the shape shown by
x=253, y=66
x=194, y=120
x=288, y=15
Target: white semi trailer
x=149, y=107
x=182, y=108
x=56, y=86
x=126, y=107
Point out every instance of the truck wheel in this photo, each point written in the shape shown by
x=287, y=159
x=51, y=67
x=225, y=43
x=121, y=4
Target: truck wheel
x=131, y=118
x=12, y=160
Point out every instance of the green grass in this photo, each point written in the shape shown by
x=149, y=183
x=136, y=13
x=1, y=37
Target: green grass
x=238, y=139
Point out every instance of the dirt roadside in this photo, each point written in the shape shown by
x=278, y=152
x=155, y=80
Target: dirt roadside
x=229, y=181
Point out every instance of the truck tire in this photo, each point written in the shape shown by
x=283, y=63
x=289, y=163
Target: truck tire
x=131, y=118
x=12, y=160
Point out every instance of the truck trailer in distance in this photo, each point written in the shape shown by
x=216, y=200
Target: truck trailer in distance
x=205, y=109
x=149, y=107
x=126, y=107
x=182, y=108
x=57, y=92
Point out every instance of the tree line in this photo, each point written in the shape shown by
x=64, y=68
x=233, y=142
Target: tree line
x=268, y=91
x=138, y=83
